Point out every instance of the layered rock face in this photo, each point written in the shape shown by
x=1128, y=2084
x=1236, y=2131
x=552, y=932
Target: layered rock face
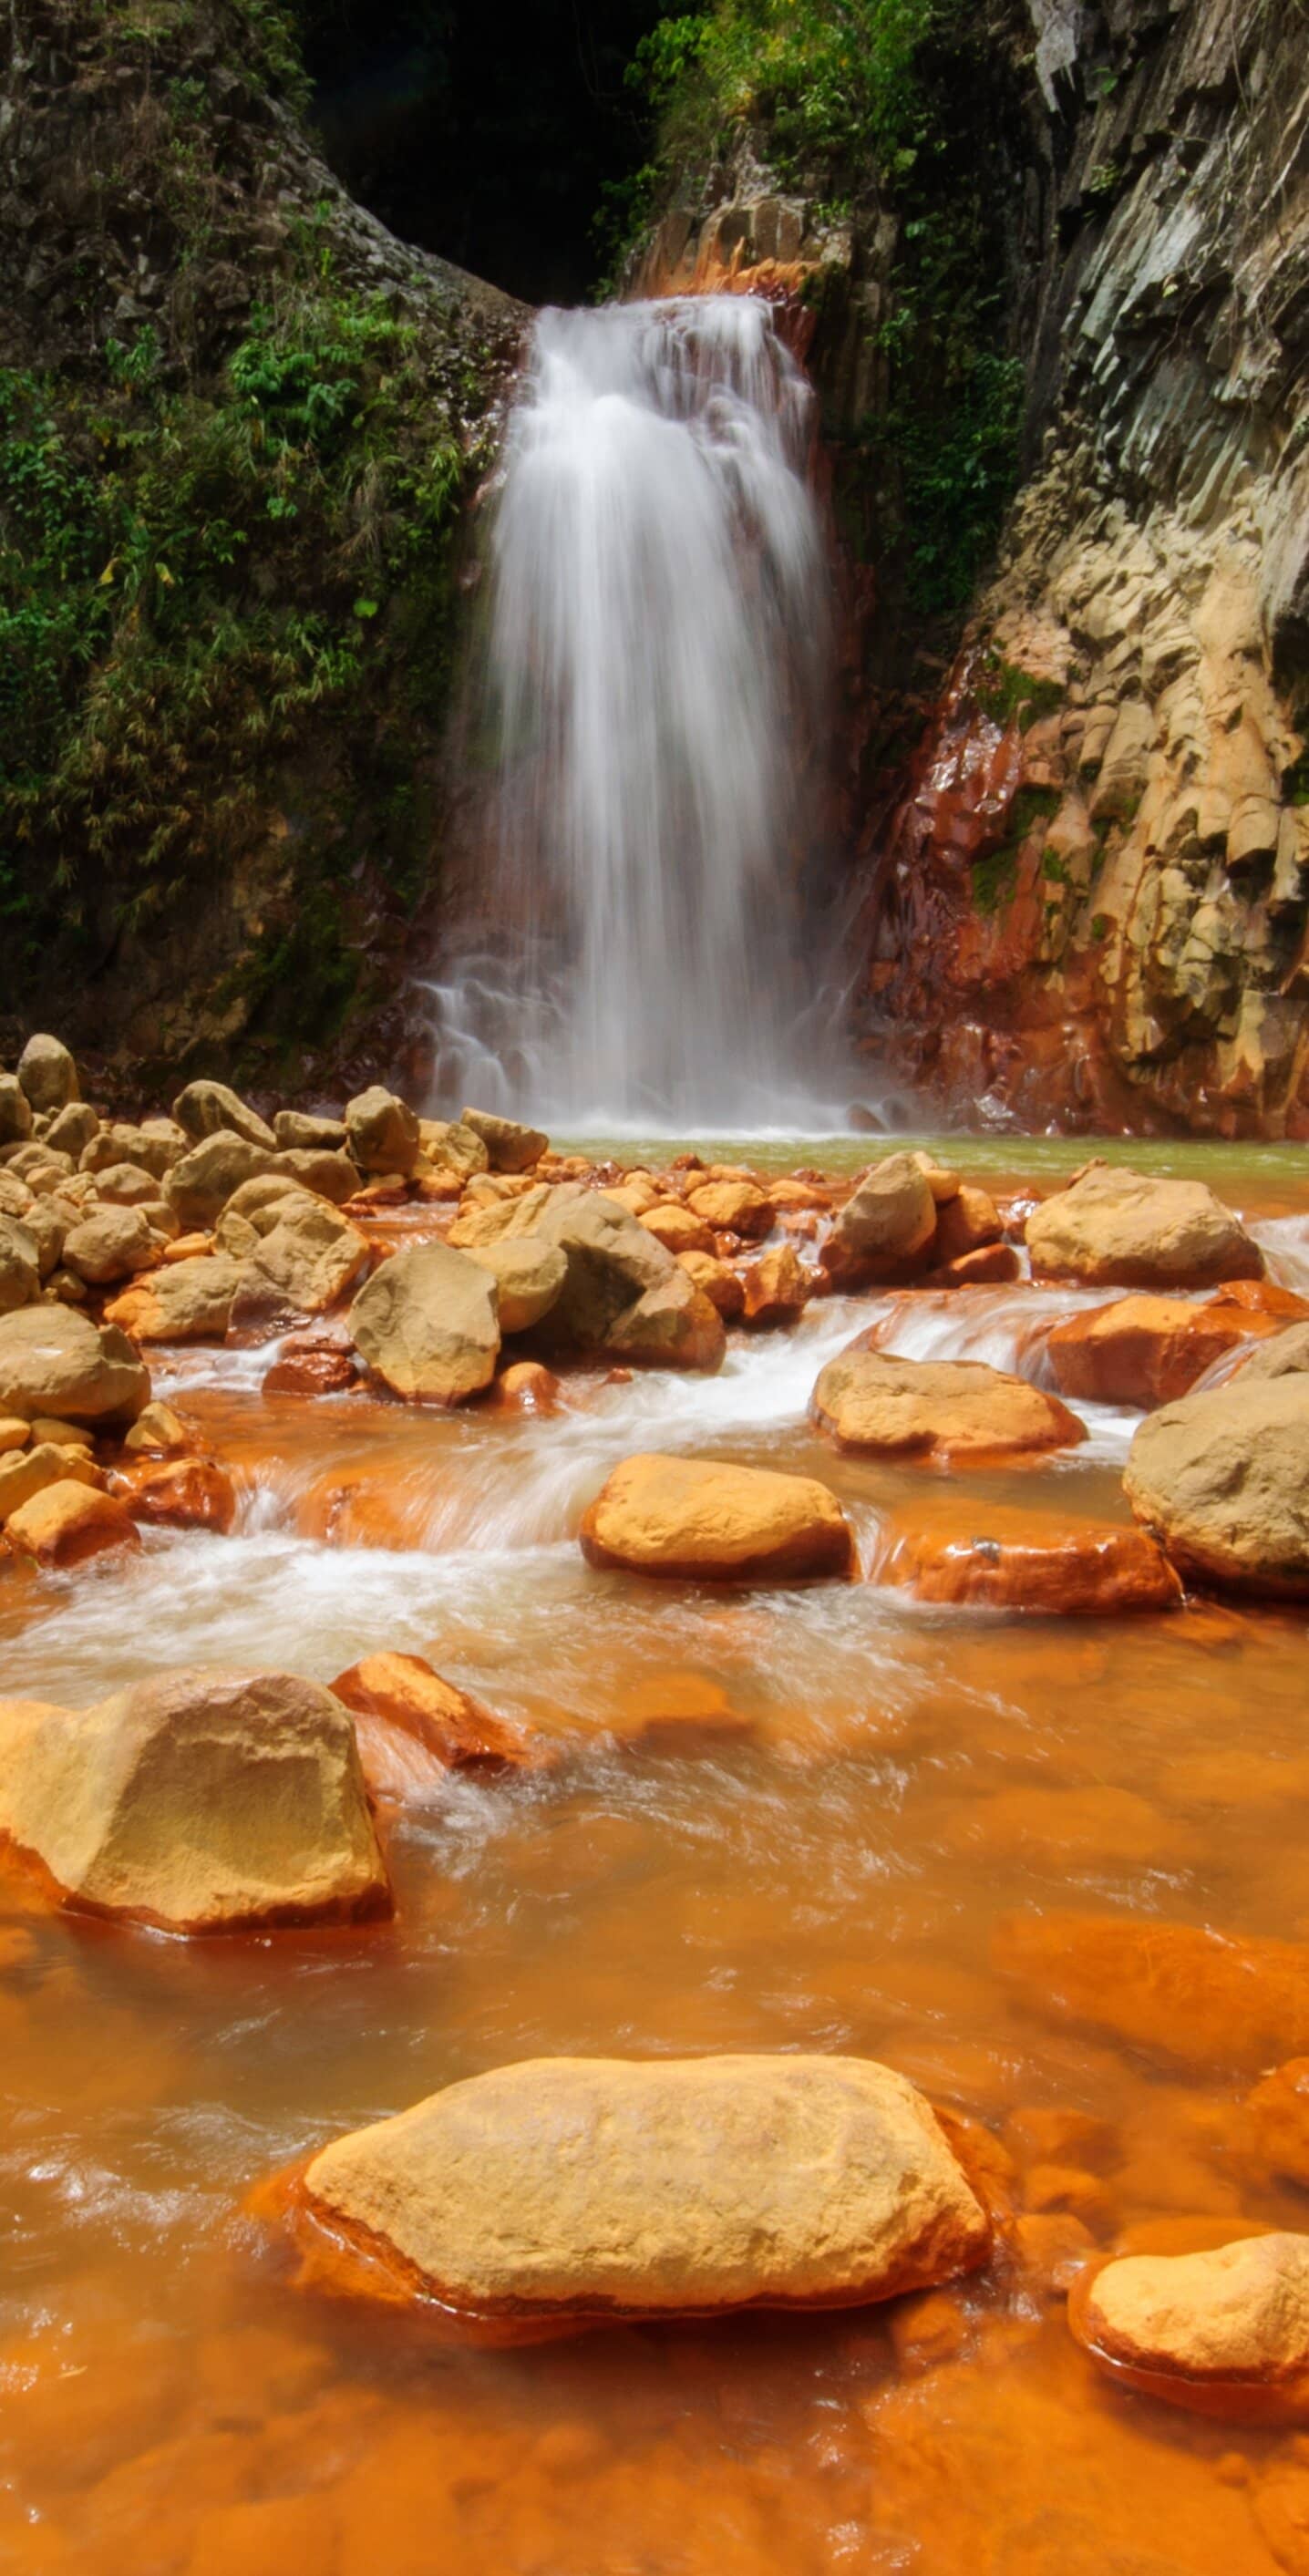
x=1091, y=902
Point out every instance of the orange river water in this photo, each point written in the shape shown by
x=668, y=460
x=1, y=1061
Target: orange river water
x=782, y=1821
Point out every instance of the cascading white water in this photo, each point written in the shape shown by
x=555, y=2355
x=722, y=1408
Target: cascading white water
x=658, y=649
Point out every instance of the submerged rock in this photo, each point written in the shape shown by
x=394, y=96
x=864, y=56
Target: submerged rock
x=566, y=2190
x=997, y=1556
x=1119, y=1228
x=1177, y=1987
x=869, y=1400
x=203, y=1802
x=1219, y=2333
x=1223, y=1478
x=703, y=1520
x=426, y=1324
x=54, y=1361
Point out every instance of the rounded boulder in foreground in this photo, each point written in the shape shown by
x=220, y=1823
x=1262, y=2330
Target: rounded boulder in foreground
x=1222, y=2333
x=55, y=1362
x=872, y=1401
x=570, y=2190
x=204, y=1801
x=1222, y=1477
x=703, y=1520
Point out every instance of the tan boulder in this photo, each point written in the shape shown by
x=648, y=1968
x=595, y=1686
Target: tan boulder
x=160, y=1431
x=1115, y=1227
x=127, y=1185
x=672, y=1326
x=69, y=1521
x=1202, y=1997
x=1222, y=1478
x=15, y=1433
x=427, y=1326
x=182, y=1301
x=717, y=1280
x=15, y=1197
x=888, y=1225
x=299, y=1131
x=1224, y=2332
x=570, y=2189
x=20, y=1266
x=53, y=1361
x=451, y=1146
x=44, y=1462
x=65, y=1435
x=510, y=1147
x=869, y=1400
x=199, y=1186
x=678, y=1228
x=382, y=1131
x=777, y=1288
x=207, y=1108
x=623, y=1294
x=327, y=1174
x=48, y=1222
x=1284, y=1354
x=202, y=1801
x=299, y=1255
x=490, y=1220
x=71, y=1129
x=109, y=1243
x=700, y=1519
x=732, y=1207
x=404, y=1693
x=155, y=1146
x=965, y=1222
x=1147, y=1350
x=1000, y=1557
x=48, y=1075
x=15, y=1110
x=528, y=1276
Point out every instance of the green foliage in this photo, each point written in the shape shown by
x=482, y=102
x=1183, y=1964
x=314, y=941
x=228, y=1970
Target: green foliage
x=1008, y=694
x=1101, y=925
x=1054, y=869
x=1295, y=781
x=995, y=876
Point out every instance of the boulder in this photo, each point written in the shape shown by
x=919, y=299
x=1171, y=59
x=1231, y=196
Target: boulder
x=1285, y=1354
x=43, y=1462
x=509, y=1146
x=678, y=1228
x=777, y=1288
x=528, y=1386
x=328, y=1174
x=999, y=1557
x=717, y=1280
x=405, y=1693
x=489, y=1220
x=182, y=1493
x=426, y=1325
x=199, y=1186
x=450, y=1146
x=672, y=1326
x=15, y=1197
x=67, y=1522
x=382, y=1131
x=212, y=1109
x=54, y=1361
x=158, y=1431
x=157, y=1146
x=571, y=2189
x=201, y=1801
x=613, y=1265
x=71, y=1129
x=1117, y=1228
x=1176, y=1988
x=15, y=1110
x=20, y=1266
x=1222, y=1477
x=992, y=1265
x=871, y=1401
x=887, y=1225
x=965, y=1222
x=699, y=1519
x=1147, y=1350
x=1277, y=2117
x=182, y=1301
x=311, y=1364
x=295, y=1130
x=48, y=1075
x=528, y=1276
x=1224, y=2332
x=109, y=1243
x=14, y=1433
x=126, y=1185
x=299, y=1253
x=731, y=1207
x=47, y=1222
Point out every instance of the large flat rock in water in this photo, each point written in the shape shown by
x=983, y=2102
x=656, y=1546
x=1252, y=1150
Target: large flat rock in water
x=572, y=2189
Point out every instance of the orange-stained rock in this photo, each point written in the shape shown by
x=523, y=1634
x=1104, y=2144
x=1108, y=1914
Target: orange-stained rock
x=732, y=1207
x=719, y=1282
x=672, y=1326
x=678, y=1228
x=1147, y=1350
x=1007, y=1558
x=992, y=1265
x=566, y=2190
x=311, y=1364
x=1263, y=1297
x=1196, y=1995
x=407, y=1693
x=68, y=1522
x=183, y=1493
x=887, y=1227
x=869, y=1400
x=664, y=1711
x=529, y=1386
x=777, y=1289
x=790, y=1196
x=966, y=1223
x=700, y=1520
x=1277, y=2113
x=1222, y=2333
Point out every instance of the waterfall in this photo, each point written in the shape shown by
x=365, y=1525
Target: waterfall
x=657, y=660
